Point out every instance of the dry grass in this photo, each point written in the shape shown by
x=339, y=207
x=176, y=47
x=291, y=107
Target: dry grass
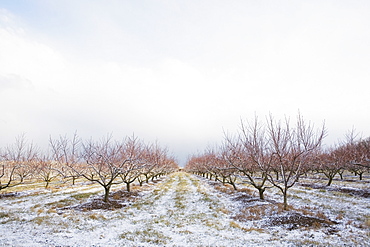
x=97, y=216
x=227, y=189
x=222, y=210
x=47, y=220
x=253, y=213
x=367, y=223
x=247, y=191
x=150, y=236
x=321, y=215
x=249, y=229
x=61, y=203
x=82, y=196
x=340, y=216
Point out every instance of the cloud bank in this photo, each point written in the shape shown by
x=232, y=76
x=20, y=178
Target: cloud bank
x=180, y=72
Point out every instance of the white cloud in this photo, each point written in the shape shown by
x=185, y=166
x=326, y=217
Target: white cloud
x=180, y=73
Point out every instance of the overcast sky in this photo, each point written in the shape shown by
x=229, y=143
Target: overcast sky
x=180, y=72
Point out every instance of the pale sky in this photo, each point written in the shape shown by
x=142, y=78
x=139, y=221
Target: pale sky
x=180, y=72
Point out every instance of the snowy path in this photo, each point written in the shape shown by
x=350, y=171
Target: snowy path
x=184, y=212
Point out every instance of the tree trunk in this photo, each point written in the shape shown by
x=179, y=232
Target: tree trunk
x=260, y=191
x=128, y=187
x=330, y=181
x=47, y=183
x=233, y=184
x=285, y=194
x=106, y=193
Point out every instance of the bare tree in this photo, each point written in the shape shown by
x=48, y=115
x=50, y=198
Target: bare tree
x=202, y=164
x=329, y=162
x=157, y=162
x=257, y=158
x=168, y=165
x=17, y=160
x=291, y=148
x=7, y=171
x=133, y=155
x=224, y=166
x=103, y=163
x=359, y=157
x=47, y=169
x=66, y=153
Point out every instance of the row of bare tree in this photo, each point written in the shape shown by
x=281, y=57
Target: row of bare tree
x=278, y=153
x=107, y=162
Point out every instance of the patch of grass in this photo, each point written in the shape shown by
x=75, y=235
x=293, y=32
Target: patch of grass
x=296, y=197
x=213, y=224
x=179, y=204
x=258, y=212
x=222, y=210
x=340, y=216
x=197, y=216
x=29, y=185
x=246, y=190
x=162, y=220
x=186, y=232
x=51, y=211
x=308, y=242
x=233, y=224
x=341, y=194
x=4, y=215
x=35, y=206
x=321, y=215
x=227, y=189
x=367, y=222
x=42, y=220
x=206, y=198
x=307, y=210
x=40, y=210
x=250, y=229
x=149, y=235
x=97, y=216
x=61, y=203
x=82, y=196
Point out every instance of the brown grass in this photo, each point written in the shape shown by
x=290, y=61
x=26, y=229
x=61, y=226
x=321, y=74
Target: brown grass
x=228, y=189
x=339, y=217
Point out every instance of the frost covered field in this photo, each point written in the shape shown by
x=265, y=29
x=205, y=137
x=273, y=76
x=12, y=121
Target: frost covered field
x=186, y=210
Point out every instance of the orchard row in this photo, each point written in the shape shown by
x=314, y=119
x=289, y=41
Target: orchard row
x=277, y=153
x=106, y=162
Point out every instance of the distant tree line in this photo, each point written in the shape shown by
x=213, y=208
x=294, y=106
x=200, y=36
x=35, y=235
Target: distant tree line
x=277, y=153
x=106, y=161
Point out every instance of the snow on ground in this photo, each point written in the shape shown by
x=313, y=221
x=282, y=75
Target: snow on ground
x=182, y=210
